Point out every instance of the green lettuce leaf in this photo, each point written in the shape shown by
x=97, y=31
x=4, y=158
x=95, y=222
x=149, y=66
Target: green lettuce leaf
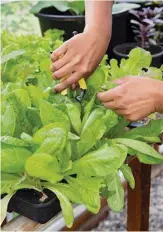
x=43, y=166
x=22, y=122
x=100, y=162
x=8, y=181
x=146, y=159
x=65, y=158
x=23, y=96
x=54, y=143
x=68, y=191
x=87, y=109
x=88, y=191
x=13, y=141
x=66, y=206
x=74, y=116
x=92, y=131
x=45, y=131
x=127, y=173
x=4, y=204
x=36, y=95
x=116, y=192
x=141, y=147
x=13, y=158
x=8, y=122
x=148, y=133
x=50, y=114
x=11, y=55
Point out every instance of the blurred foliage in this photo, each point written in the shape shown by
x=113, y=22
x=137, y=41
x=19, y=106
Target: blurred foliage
x=16, y=17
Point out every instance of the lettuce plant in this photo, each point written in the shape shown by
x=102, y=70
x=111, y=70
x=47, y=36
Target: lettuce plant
x=75, y=149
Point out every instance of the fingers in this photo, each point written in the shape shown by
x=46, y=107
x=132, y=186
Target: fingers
x=60, y=63
x=109, y=95
x=111, y=105
x=64, y=71
x=74, y=86
x=69, y=81
x=123, y=80
x=58, y=52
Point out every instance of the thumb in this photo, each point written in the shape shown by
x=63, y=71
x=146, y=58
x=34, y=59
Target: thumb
x=123, y=80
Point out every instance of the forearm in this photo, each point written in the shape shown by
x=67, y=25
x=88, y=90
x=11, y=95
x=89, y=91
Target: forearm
x=99, y=16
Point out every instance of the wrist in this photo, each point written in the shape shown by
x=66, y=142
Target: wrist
x=97, y=31
x=158, y=96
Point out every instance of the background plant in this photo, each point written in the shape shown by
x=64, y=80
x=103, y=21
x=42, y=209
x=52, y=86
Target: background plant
x=145, y=25
x=16, y=17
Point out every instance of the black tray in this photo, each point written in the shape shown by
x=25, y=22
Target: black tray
x=26, y=202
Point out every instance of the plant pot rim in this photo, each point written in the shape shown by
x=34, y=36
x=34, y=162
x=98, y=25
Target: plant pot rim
x=60, y=17
x=132, y=45
x=73, y=17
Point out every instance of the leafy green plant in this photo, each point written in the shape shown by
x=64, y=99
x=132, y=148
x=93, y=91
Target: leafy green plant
x=74, y=7
x=16, y=17
x=75, y=149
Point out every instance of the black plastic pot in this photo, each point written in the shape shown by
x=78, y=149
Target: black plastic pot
x=161, y=44
x=119, y=31
x=122, y=51
x=27, y=203
x=50, y=18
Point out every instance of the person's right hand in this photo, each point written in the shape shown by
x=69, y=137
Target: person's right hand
x=78, y=57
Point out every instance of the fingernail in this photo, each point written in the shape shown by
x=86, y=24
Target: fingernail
x=73, y=87
x=99, y=95
x=55, y=90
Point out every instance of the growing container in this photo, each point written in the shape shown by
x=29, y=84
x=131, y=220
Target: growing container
x=122, y=51
x=28, y=203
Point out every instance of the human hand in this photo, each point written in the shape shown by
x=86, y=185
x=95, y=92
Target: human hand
x=78, y=57
x=135, y=97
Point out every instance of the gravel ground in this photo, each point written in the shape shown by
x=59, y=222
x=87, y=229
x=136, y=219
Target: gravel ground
x=117, y=222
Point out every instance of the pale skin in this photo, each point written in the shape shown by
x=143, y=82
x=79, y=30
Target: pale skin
x=80, y=56
x=135, y=97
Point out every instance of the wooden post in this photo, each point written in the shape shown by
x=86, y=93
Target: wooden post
x=139, y=198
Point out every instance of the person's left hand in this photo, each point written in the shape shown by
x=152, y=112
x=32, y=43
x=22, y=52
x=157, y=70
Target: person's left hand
x=134, y=97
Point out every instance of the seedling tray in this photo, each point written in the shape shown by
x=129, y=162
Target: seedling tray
x=27, y=203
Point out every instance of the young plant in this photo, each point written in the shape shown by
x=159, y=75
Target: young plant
x=145, y=25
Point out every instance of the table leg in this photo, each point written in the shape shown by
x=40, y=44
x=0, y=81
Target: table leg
x=139, y=198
